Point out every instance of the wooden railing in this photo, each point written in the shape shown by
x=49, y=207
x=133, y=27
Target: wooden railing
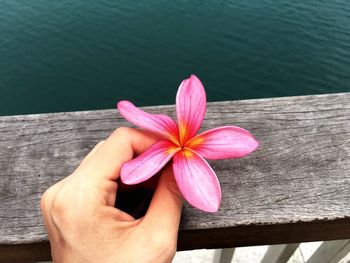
x=294, y=188
x=327, y=252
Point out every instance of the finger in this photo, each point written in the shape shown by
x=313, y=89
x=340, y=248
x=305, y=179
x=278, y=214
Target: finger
x=120, y=147
x=115, y=214
x=164, y=211
x=46, y=206
x=92, y=152
x=50, y=193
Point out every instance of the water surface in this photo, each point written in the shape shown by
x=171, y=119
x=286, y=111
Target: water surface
x=77, y=55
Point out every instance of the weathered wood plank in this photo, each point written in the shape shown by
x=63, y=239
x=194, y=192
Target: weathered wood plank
x=294, y=188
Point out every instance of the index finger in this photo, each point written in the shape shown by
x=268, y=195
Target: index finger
x=120, y=147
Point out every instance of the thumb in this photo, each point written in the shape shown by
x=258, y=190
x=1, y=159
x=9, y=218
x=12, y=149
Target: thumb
x=164, y=212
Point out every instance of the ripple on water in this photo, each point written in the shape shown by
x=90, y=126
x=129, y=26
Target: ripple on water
x=74, y=55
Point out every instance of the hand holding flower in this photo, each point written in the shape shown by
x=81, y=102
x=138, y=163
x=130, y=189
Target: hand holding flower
x=195, y=178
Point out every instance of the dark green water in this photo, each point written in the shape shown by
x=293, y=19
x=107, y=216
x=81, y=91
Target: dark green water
x=77, y=55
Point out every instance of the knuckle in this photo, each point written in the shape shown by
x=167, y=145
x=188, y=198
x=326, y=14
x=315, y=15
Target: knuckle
x=44, y=202
x=57, y=207
x=49, y=195
x=174, y=189
x=46, y=198
x=60, y=211
x=164, y=243
x=122, y=131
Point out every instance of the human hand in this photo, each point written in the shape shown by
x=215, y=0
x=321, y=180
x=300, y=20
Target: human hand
x=84, y=226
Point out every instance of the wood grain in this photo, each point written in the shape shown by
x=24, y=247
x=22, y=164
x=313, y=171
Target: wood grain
x=298, y=180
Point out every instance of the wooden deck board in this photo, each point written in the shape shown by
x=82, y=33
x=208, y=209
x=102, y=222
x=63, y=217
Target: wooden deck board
x=294, y=188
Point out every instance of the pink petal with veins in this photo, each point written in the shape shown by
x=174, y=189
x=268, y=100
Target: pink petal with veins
x=190, y=107
x=148, y=163
x=224, y=142
x=157, y=123
x=197, y=181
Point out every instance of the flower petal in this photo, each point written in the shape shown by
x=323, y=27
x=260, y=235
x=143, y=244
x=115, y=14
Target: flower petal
x=157, y=123
x=223, y=142
x=197, y=181
x=148, y=163
x=190, y=107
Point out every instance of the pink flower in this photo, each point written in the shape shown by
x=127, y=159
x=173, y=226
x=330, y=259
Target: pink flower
x=195, y=178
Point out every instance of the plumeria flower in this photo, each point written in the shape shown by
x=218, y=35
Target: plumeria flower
x=194, y=176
